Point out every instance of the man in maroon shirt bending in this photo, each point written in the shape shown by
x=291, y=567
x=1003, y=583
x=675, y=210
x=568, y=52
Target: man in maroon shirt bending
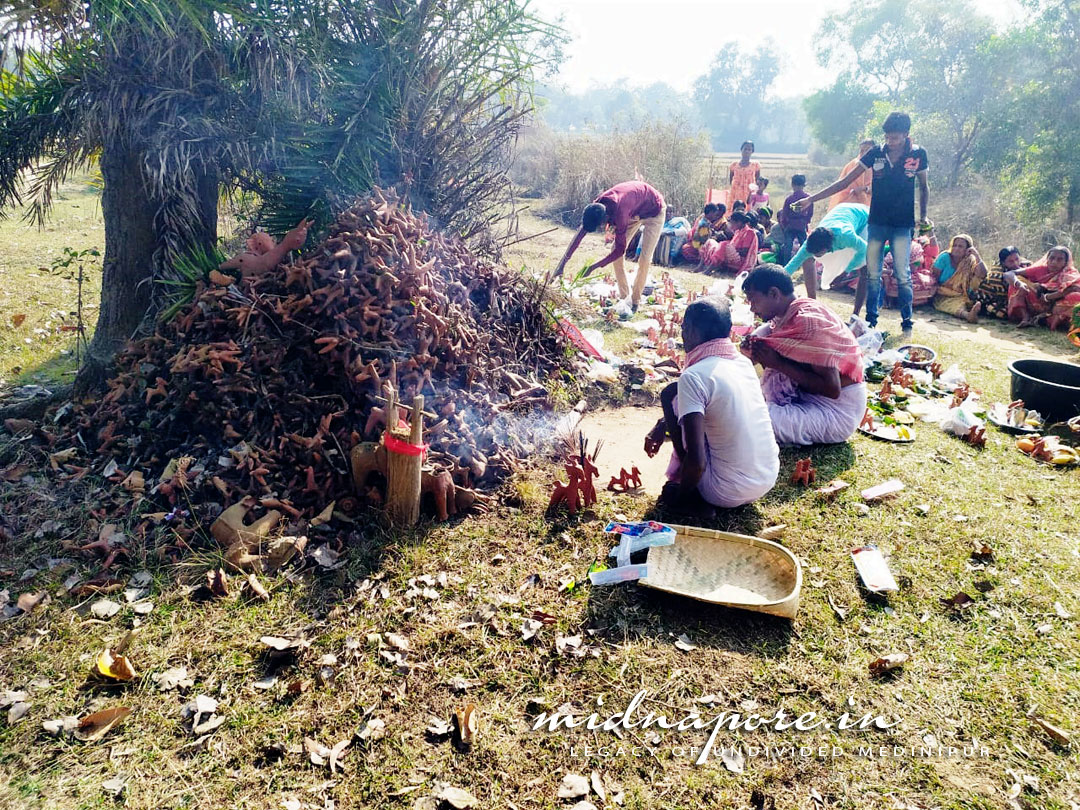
x=626, y=206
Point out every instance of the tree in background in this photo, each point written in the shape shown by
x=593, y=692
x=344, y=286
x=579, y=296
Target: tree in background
x=1034, y=133
x=927, y=57
x=731, y=96
x=305, y=103
x=835, y=115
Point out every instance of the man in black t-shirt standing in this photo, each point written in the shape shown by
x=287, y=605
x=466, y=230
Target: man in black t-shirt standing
x=897, y=164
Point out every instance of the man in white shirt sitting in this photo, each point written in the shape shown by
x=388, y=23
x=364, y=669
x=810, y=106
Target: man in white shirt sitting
x=725, y=454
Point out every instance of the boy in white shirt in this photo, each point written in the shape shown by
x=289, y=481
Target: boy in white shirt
x=724, y=452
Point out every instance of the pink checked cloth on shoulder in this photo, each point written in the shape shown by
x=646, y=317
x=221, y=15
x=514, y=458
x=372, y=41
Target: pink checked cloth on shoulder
x=720, y=347
x=811, y=333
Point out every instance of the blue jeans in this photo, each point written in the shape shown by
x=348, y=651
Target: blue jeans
x=900, y=241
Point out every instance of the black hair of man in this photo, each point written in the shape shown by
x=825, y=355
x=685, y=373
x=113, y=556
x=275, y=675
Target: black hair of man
x=1005, y=253
x=592, y=216
x=710, y=208
x=766, y=276
x=764, y=211
x=867, y=142
x=739, y=216
x=738, y=205
x=747, y=143
x=819, y=239
x=710, y=317
x=721, y=209
x=897, y=122
x=798, y=179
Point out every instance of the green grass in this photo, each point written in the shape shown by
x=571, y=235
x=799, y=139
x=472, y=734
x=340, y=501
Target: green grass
x=970, y=676
x=39, y=350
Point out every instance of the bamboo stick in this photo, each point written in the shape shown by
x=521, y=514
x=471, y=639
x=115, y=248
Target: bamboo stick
x=403, y=471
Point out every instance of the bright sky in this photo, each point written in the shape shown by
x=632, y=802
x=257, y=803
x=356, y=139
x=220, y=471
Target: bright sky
x=675, y=40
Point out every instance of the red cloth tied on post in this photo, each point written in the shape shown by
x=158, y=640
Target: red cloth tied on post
x=402, y=447
x=811, y=333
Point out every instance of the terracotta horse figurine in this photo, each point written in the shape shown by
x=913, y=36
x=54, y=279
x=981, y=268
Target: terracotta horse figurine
x=262, y=255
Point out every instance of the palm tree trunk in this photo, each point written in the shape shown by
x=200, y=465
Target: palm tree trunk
x=128, y=209
x=132, y=243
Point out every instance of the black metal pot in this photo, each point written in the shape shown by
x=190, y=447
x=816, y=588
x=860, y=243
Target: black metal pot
x=1050, y=387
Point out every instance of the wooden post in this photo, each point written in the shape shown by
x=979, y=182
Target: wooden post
x=403, y=470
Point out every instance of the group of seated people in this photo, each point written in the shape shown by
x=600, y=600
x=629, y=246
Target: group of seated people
x=726, y=424
x=719, y=242
x=955, y=281
x=958, y=282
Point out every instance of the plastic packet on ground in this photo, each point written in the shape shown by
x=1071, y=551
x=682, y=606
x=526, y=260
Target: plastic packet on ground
x=603, y=372
x=624, y=309
x=889, y=357
x=960, y=421
x=642, y=535
x=599, y=289
x=870, y=345
x=643, y=326
x=952, y=377
x=595, y=338
x=612, y=576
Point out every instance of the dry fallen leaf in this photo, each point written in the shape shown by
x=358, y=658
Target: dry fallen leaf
x=1060, y=736
x=15, y=472
x=888, y=662
x=733, y=759
x=529, y=628
x=257, y=588
x=327, y=558
x=961, y=601
x=217, y=583
x=18, y=319
x=318, y=753
x=598, y=786
x=398, y=642
x=466, y=725
x=114, y=787
x=684, y=643
x=201, y=712
x=335, y=755
x=28, y=601
x=60, y=725
x=105, y=609
x=565, y=643
x=773, y=532
x=1060, y=610
x=113, y=666
x=374, y=729
x=573, y=786
x=17, y=712
x=323, y=516
x=97, y=725
x=439, y=728
x=456, y=797
x=173, y=678
x=134, y=484
x=840, y=610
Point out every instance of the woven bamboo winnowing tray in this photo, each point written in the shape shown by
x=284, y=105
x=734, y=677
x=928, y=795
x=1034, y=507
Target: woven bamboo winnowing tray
x=727, y=569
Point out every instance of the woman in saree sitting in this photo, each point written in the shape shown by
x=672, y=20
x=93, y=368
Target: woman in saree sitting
x=733, y=255
x=1049, y=289
x=961, y=270
x=993, y=292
